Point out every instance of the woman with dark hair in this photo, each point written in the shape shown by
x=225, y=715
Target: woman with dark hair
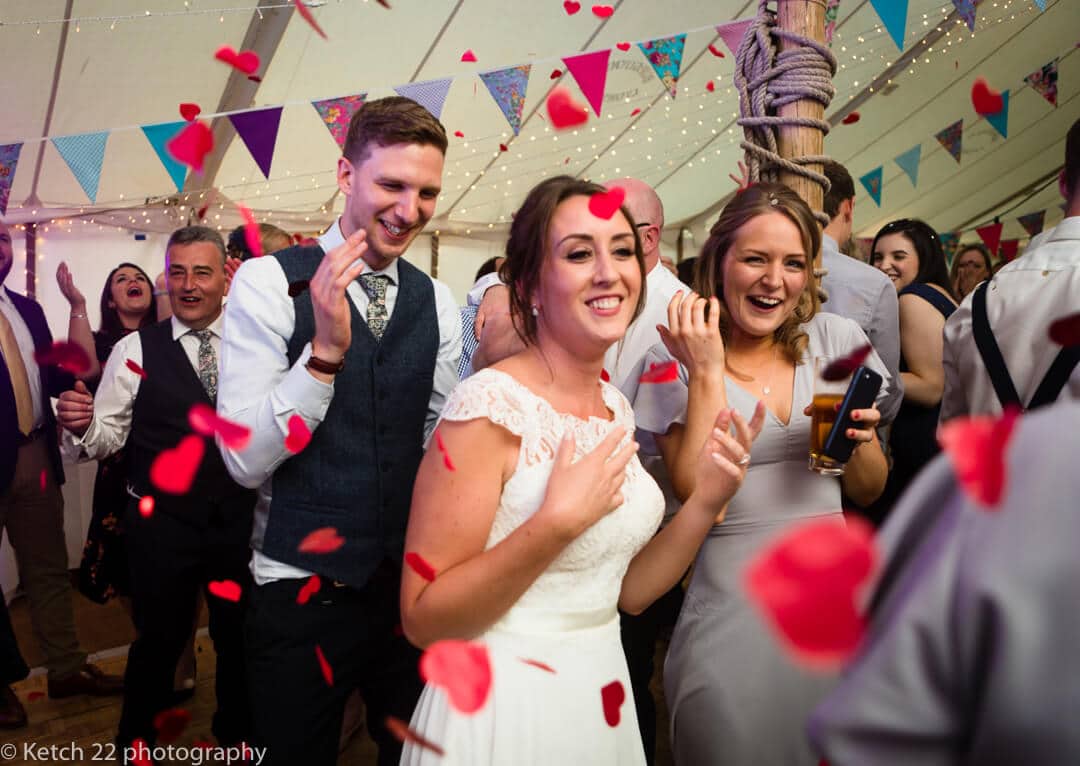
x=545, y=524
x=909, y=252
x=751, y=337
x=971, y=266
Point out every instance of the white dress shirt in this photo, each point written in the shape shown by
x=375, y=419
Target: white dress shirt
x=258, y=388
x=25, y=342
x=1022, y=300
x=115, y=397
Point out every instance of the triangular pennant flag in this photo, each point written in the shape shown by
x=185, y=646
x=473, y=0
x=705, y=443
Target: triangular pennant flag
x=909, y=163
x=1044, y=81
x=259, y=130
x=950, y=240
x=507, y=87
x=590, y=72
x=893, y=14
x=832, y=11
x=430, y=94
x=952, y=138
x=872, y=182
x=966, y=9
x=1033, y=222
x=158, y=136
x=84, y=154
x=665, y=55
x=9, y=160
x=732, y=34
x=1009, y=249
x=1000, y=121
x=991, y=236
x=336, y=113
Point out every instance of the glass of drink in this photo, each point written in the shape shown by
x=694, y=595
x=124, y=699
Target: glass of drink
x=827, y=397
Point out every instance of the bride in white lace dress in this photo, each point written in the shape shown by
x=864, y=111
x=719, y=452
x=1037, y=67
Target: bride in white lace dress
x=545, y=525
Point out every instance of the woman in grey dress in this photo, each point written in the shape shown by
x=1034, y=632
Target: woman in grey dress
x=734, y=696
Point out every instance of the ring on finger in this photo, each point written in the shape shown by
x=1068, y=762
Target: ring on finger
x=744, y=460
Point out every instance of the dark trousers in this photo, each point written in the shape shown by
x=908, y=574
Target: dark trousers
x=12, y=666
x=297, y=714
x=639, y=636
x=171, y=560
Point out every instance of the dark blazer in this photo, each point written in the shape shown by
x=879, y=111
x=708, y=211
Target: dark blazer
x=54, y=381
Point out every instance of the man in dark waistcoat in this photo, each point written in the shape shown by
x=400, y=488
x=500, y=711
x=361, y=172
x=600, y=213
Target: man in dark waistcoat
x=187, y=539
x=352, y=343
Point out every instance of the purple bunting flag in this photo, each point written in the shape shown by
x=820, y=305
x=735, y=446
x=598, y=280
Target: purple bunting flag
x=966, y=9
x=258, y=130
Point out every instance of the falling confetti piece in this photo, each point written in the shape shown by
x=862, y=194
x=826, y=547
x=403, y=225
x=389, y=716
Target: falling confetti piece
x=563, y=111
x=446, y=455
x=606, y=204
x=190, y=111
x=254, y=78
x=985, y=100
x=297, y=287
x=635, y=113
x=838, y=369
x=203, y=420
x=504, y=148
x=977, y=450
x=462, y=669
x=468, y=56
x=613, y=696
x=327, y=671
x=43, y=479
x=623, y=46
x=604, y=376
x=806, y=585
x=226, y=590
x=851, y=118
x=246, y=61
x=402, y=733
x=556, y=74
x=571, y=7
x=419, y=564
x=716, y=51
x=309, y=589
x=170, y=724
x=251, y=231
x=140, y=752
x=710, y=86
x=1066, y=331
x=34, y=696
x=537, y=664
x=65, y=355
x=191, y=145
x=173, y=470
x=299, y=435
x=603, y=11
x=303, y=10
x=146, y=506
x=322, y=540
x=135, y=368
x=661, y=372
x=459, y=134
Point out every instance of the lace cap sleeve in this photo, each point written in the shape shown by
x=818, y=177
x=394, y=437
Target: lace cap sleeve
x=488, y=394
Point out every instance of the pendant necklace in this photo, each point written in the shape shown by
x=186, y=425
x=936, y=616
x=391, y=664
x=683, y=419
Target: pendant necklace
x=767, y=388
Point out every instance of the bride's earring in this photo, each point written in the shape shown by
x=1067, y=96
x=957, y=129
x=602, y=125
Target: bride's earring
x=535, y=310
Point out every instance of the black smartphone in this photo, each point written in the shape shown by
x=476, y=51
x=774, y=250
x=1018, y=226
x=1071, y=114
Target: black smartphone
x=861, y=392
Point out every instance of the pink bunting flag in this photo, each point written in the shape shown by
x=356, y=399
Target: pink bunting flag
x=732, y=33
x=590, y=71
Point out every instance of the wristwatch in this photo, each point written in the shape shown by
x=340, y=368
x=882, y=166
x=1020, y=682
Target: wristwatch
x=325, y=367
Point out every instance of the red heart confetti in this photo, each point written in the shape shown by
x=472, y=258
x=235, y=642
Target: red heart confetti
x=419, y=564
x=254, y=78
x=537, y=664
x=402, y=733
x=299, y=435
x=556, y=74
x=135, y=368
x=322, y=540
x=459, y=134
x=613, y=696
x=146, y=506
x=462, y=669
x=661, y=372
x=203, y=420
x=190, y=111
x=303, y=10
x=851, y=118
x=140, y=752
x=43, y=479
x=635, y=113
x=604, y=376
x=65, y=355
x=504, y=148
x=226, y=590
x=806, y=585
x=327, y=671
x=468, y=56
x=623, y=46
x=603, y=11
x=1066, y=331
x=297, y=287
x=34, y=696
x=246, y=61
x=716, y=51
x=191, y=145
x=985, y=100
x=251, y=231
x=710, y=86
x=571, y=7
x=606, y=204
x=442, y=448
x=977, y=449
x=173, y=470
x=170, y=724
x=838, y=369
x=563, y=111
x=309, y=589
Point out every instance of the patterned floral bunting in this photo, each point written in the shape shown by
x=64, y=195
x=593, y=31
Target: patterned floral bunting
x=1044, y=81
x=952, y=138
x=507, y=87
x=665, y=55
x=336, y=113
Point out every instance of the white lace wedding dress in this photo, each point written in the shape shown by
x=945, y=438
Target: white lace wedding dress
x=567, y=619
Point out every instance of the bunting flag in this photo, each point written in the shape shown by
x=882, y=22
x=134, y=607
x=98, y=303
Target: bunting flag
x=158, y=136
x=872, y=182
x=1009, y=249
x=1041, y=4
x=507, y=87
x=665, y=55
x=336, y=113
x=909, y=163
x=733, y=33
x=258, y=130
x=832, y=10
x=966, y=9
x=952, y=138
x=950, y=241
x=430, y=94
x=1000, y=121
x=1033, y=222
x=9, y=160
x=84, y=154
x=590, y=72
x=991, y=236
x=1044, y=81
x=893, y=14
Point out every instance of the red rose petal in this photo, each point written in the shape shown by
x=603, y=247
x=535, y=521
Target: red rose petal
x=838, y=369
x=402, y=733
x=305, y=12
x=504, y=148
x=806, y=586
x=322, y=540
x=327, y=671
x=297, y=287
x=613, y=696
x=34, y=696
x=191, y=145
x=635, y=113
x=146, y=506
x=65, y=355
x=442, y=448
x=251, y=231
x=462, y=669
x=985, y=100
x=716, y=51
x=468, y=56
x=246, y=61
x=140, y=752
x=571, y=7
x=459, y=134
x=190, y=111
x=606, y=204
x=419, y=564
x=43, y=479
x=299, y=435
x=135, y=368
x=555, y=74
x=1066, y=331
x=851, y=118
x=663, y=372
x=170, y=724
x=977, y=449
x=226, y=590
x=710, y=86
x=604, y=376
x=254, y=78
x=563, y=111
x=623, y=46
x=173, y=470
x=203, y=420
x=537, y=664
x=309, y=589
x=603, y=11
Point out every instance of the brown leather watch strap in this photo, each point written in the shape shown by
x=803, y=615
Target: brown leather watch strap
x=325, y=367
